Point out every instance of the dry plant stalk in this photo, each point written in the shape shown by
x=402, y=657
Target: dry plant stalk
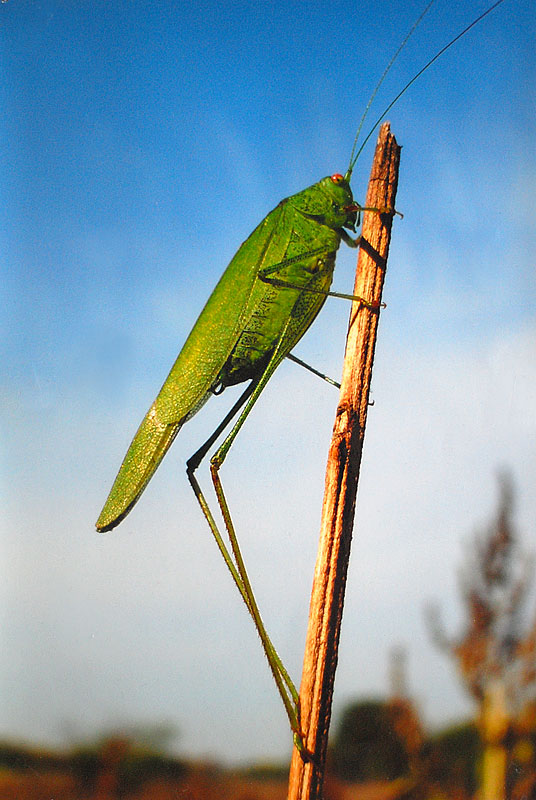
x=342, y=473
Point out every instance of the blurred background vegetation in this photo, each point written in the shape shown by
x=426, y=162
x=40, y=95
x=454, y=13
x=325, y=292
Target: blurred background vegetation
x=380, y=748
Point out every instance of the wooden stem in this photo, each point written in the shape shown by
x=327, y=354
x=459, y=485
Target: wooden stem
x=342, y=473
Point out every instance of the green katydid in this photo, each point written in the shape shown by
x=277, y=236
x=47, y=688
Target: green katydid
x=266, y=299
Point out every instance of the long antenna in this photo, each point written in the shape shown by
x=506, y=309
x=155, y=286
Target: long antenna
x=385, y=73
x=353, y=158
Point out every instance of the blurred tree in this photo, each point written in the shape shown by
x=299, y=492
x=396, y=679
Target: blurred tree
x=367, y=746
x=403, y=713
x=123, y=760
x=452, y=756
x=406, y=723
x=496, y=658
x=109, y=775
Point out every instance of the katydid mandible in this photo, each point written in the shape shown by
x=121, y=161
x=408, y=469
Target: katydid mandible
x=266, y=299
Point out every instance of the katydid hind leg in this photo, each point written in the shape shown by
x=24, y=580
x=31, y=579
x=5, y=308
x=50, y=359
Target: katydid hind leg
x=194, y=461
x=280, y=674
x=236, y=566
x=235, y=562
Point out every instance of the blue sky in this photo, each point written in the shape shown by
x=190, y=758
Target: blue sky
x=140, y=144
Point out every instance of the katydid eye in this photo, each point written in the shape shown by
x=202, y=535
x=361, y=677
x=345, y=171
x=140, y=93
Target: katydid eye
x=337, y=178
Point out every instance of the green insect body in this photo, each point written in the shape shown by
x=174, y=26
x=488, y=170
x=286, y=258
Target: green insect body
x=264, y=302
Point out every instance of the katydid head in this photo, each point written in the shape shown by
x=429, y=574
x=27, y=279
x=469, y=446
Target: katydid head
x=343, y=208
x=329, y=201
